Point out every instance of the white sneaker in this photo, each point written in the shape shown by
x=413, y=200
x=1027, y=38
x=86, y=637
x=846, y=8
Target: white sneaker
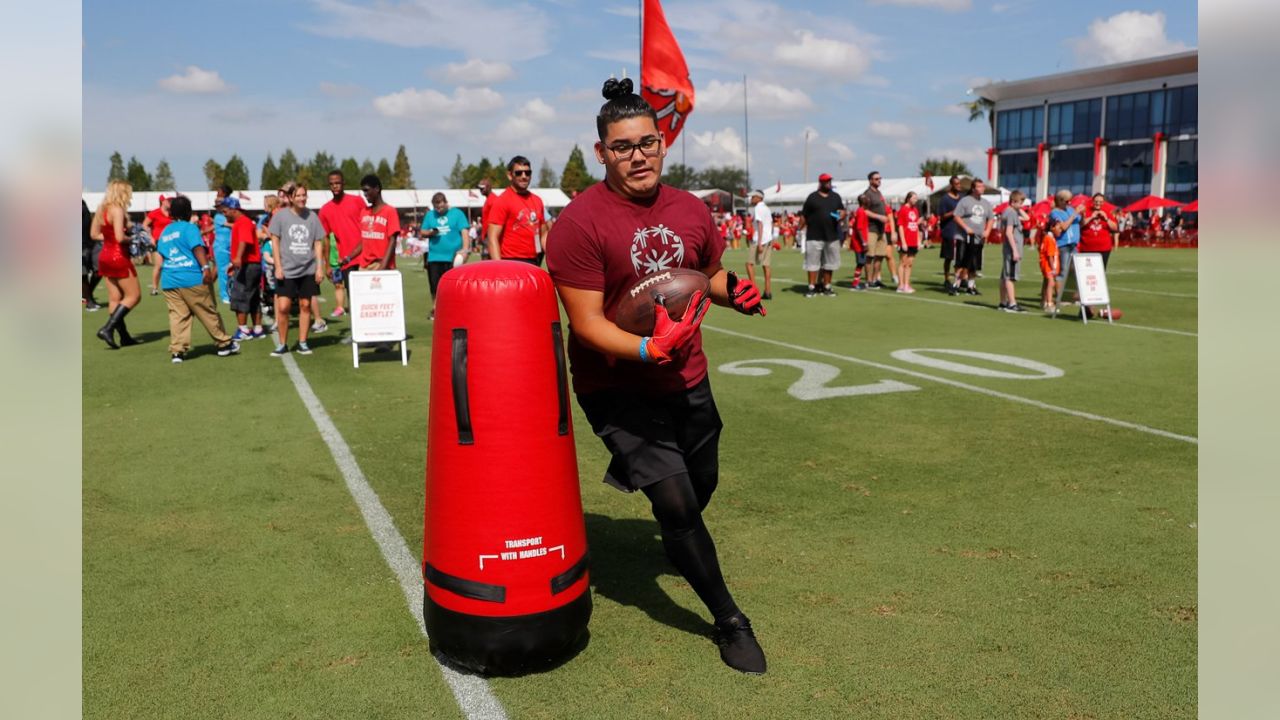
x=895, y=279
x=319, y=327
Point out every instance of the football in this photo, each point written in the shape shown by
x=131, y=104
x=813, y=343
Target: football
x=676, y=286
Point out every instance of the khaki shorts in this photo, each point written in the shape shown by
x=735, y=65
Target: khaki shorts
x=877, y=246
x=762, y=253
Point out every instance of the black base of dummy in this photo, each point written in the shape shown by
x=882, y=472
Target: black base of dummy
x=508, y=645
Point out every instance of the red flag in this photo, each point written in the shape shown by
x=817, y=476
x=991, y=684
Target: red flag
x=664, y=76
x=779, y=186
x=928, y=181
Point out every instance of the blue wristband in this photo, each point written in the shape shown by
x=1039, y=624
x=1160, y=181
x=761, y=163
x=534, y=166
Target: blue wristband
x=644, y=354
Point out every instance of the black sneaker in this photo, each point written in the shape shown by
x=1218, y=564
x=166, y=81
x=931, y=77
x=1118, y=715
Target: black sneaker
x=810, y=292
x=176, y=358
x=766, y=296
x=738, y=647
x=876, y=285
x=951, y=290
x=231, y=348
x=280, y=351
x=973, y=290
x=829, y=291
x=1002, y=307
x=1016, y=308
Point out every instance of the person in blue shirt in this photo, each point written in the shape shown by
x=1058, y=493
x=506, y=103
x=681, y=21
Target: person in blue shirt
x=1068, y=219
x=445, y=229
x=186, y=279
x=222, y=243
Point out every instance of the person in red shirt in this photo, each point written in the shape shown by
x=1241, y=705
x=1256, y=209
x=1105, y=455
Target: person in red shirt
x=908, y=227
x=206, y=232
x=341, y=220
x=481, y=244
x=858, y=244
x=1097, y=230
x=244, y=274
x=154, y=224
x=648, y=398
x=517, y=229
x=379, y=229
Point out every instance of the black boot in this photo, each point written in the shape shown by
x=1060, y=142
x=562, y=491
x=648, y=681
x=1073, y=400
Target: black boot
x=125, y=338
x=106, y=332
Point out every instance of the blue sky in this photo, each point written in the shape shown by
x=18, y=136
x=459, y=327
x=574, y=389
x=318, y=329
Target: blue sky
x=876, y=82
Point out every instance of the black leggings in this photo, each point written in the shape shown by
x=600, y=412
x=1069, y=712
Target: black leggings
x=678, y=506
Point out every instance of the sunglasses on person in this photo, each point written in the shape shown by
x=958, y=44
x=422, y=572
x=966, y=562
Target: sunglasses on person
x=522, y=173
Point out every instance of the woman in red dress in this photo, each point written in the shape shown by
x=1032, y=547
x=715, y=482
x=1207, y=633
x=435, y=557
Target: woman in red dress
x=115, y=264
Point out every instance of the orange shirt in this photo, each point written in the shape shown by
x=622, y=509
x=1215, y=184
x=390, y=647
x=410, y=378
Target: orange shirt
x=378, y=229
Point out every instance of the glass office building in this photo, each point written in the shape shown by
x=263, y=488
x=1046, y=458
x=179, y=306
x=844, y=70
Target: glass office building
x=1127, y=130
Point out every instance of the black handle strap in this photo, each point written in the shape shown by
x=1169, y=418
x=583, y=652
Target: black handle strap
x=465, y=588
x=564, y=580
x=562, y=379
x=461, y=405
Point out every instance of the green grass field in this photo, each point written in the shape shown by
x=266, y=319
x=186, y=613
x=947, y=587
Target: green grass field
x=970, y=546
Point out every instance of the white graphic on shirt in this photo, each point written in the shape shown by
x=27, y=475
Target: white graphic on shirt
x=299, y=239
x=654, y=249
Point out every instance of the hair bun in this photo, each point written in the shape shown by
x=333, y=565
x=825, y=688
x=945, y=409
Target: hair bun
x=614, y=88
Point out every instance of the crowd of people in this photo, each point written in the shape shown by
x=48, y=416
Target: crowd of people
x=886, y=235
x=273, y=267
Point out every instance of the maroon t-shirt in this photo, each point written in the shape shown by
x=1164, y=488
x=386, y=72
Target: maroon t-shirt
x=604, y=242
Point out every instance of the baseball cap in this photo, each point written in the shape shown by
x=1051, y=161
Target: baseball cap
x=757, y=193
x=824, y=177
x=230, y=202
x=163, y=198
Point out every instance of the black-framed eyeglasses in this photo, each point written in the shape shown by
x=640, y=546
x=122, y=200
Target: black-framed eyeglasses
x=522, y=173
x=648, y=147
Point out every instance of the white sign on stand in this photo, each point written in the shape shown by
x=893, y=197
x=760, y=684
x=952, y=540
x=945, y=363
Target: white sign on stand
x=1091, y=283
x=377, y=311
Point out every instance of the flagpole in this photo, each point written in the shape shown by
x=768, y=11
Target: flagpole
x=746, y=133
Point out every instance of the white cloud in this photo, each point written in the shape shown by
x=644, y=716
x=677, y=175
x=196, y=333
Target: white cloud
x=958, y=109
x=477, y=72
x=1125, y=36
x=948, y=5
x=890, y=130
x=437, y=109
x=521, y=29
x=798, y=139
x=764, y=99
x=843, y=152
x=716, y=147
x=879, y=160
x=339, y=90
x=823, y=55
x=195, y=80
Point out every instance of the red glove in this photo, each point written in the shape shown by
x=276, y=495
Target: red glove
x=744, y=295
x=671, y=335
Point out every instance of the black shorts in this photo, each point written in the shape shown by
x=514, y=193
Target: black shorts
x=298, y=288
x=531, y=261
x=947, y=249
x=245, y=292
x=912, y=250
x=654, y=437
x=969, y=255
x=435, y=271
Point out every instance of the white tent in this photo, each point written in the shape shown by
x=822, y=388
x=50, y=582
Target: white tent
x=792, y=196
x=202, y=200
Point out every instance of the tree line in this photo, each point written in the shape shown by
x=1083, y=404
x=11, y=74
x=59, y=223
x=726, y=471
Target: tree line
x=397, y=175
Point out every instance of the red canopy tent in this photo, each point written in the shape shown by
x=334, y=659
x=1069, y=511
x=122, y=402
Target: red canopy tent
x=1151, y=202
x=1193, y=206
x=1044, y=207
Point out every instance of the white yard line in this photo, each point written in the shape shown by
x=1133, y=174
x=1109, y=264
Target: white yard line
x=965, y=386
x=1154, y=292
x=472, y=692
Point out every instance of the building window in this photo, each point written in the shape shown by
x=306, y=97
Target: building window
x=1182, y=180
x=1075, y=122
x=1142, y=115
x=1018, y=129
x=1128, y=173
x=1071, y=170
x=1018, y=172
